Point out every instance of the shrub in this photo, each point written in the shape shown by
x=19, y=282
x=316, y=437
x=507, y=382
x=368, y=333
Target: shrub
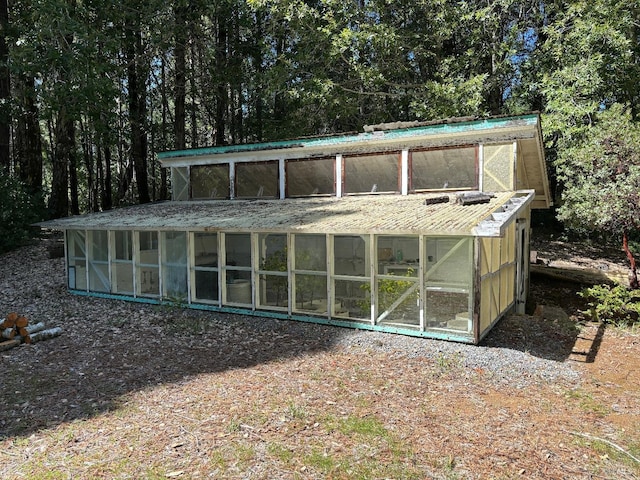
x=609, y=304
x=18, y=210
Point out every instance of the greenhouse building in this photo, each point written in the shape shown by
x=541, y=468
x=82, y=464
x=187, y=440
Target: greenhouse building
x=413, y=228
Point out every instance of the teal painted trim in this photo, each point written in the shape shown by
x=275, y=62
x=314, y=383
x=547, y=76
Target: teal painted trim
x=440, y=128
x=283, y=316
x=111, y=296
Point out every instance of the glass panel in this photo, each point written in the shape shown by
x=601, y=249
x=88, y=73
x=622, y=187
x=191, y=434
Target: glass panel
x=398, y=255
x=372, y=173
x=257, y=180
x=174, y=267
x=448, y=277
x=205, y=252
x=311, y=253
x=99, y=261
x=274, y=290
x=124, y=250
x=445, y=168
x=351, y=255
x=398, y=302
x=147, y=271
x=205, y=247
x=76, y=243
x=238, y=287
x=76, y=256
x=210, y=181
x=352, y=299
x=449, y=262
x=179, y=183
x=122, y=263
x=122, y=273
x=238, y=249
x=448, y=310
x=311, y=293
x=206, y=287
x=273, y=252
x=310, y=177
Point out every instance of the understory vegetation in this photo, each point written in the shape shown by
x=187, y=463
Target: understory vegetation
x=615, y=304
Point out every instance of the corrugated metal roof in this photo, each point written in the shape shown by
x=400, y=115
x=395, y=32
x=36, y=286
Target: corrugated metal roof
x=338, y=142
x=390, y=214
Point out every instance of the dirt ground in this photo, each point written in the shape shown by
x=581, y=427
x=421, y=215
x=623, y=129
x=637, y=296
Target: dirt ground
x=144, y=392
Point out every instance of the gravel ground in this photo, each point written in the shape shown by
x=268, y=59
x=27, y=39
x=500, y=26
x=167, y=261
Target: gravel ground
x=520, y=349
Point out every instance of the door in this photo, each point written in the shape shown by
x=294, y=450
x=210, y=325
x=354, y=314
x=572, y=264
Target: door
x=522, y=265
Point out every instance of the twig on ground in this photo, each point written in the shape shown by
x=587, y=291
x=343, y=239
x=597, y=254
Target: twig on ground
x=608, y=442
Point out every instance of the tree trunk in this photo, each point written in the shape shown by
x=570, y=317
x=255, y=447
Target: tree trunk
x=5, y=90
x=28, y=138
x=137, y=107
x=164, y=194
x=107, y=199
x=221, y=89
x=64, y=144
x=633, y=274
x=180, y=36
x=73, y=175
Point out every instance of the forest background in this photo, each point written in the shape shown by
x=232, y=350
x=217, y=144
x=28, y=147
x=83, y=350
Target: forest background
x=91, y=90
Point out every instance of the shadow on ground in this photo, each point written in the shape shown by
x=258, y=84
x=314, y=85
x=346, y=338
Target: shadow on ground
x=132, y=347
x=552, y=329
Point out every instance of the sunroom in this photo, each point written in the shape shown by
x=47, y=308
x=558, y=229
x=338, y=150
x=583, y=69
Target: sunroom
x=368, y=231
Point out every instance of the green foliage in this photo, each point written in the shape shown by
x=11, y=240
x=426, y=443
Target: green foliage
x=18, y=210
x=601, y=175
x=617, y=304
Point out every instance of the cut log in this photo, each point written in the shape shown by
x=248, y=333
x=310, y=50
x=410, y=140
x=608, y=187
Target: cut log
x=8, y=333
x=6, y=345
x=22, y=331
x=22, y=322
x=46, y=334
x=10, y=321
x=36, y=327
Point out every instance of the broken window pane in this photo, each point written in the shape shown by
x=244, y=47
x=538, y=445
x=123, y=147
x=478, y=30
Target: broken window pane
x=444, y=168
x=372, y=173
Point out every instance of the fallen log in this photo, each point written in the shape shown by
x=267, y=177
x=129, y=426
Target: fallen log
x=8, y=333
x=6, y=345
x=22, y=332
x=37, y=327
x=22, y=322
x=10, y=321
x=581, y=276
x=46, y=334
